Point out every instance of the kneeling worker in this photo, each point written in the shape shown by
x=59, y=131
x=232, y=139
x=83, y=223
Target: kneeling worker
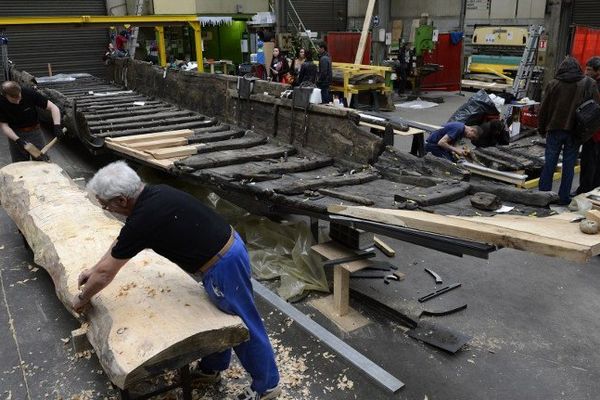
x=179, y=227
x=443, y=142
x=19, y=119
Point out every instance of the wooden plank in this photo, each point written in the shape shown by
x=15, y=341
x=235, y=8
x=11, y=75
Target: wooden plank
x=186, y=133
x=245, y=142
x=411, y=131
x=159, y=144
x=172, y=152
x=341, y=290
x=156, y=129
x=364, y=33
x=152, y=313
x=333, y=250
x=241, y=156
x=299, y=186
x=551, y=236
x=384, y=247
x=142, y=156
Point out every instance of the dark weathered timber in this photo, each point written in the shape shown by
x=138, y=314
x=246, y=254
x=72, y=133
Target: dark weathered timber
x=485, y=201
x=150, y=117
x=113, y=101
x=430, y=196
x=326, y=182
x=107, y=98
x=229, y=157
x=410, y=179
x=291, y=165
x=119, y=107
x=504, y=154
x=248, y=141
x=515, y=195
x=112, y=116
x=211, y=129
x=145, y=124
x=397, y=162
x=346, y=196
x=216, y=136
x=189, y=125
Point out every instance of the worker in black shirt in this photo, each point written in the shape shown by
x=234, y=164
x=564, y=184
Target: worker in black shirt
x=19, y=119
x=179, y=227
x=325, y=76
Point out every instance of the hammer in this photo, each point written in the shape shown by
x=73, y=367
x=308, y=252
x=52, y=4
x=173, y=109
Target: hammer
x=37, y=153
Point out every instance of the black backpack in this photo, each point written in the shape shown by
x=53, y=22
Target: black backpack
x=587, y=115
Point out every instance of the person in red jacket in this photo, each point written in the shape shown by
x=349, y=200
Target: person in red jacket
x=589, y=177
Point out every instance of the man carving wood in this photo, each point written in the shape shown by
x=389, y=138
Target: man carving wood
x=179, y=227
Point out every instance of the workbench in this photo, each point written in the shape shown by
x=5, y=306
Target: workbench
x=349, y=70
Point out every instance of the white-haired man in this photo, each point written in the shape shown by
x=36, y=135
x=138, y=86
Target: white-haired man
x=179, y=227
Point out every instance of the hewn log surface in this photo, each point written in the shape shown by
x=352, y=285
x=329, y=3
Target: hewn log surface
x=151, y=314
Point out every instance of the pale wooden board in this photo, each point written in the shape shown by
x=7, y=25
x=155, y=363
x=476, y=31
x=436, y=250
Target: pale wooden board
x=349, y=322
x=172, y=152
x=411, y=131
x=333, y=250
x=552, y=236
x=152, y=312
x=140, y=155
x=384, y=247
x=159, y=144
x=186, y=133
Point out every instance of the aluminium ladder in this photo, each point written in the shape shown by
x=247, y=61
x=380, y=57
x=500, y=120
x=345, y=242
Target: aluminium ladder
x=528, y=61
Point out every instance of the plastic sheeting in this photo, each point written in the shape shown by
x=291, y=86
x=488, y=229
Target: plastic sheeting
x=277, y=250
x=475, y=109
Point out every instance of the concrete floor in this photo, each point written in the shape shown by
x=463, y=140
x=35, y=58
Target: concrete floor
x=533, y=321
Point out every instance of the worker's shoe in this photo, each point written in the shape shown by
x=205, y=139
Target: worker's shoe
x=205, y=377
x=250, y=394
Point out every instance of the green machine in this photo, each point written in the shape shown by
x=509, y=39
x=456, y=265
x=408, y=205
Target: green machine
x=423, y=39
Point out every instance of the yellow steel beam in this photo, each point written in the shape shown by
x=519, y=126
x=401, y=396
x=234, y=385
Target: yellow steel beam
x=99, y=20
x=198, y=43
x=160, y=41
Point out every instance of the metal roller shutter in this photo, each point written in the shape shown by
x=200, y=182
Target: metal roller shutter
x=586, y=12
x=67, y=50
x=323, y=15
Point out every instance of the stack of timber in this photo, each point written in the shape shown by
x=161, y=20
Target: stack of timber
x=152, y=316
x=552, y=236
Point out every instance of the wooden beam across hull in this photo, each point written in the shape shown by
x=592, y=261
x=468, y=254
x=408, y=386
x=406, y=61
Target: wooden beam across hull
x=152, y=316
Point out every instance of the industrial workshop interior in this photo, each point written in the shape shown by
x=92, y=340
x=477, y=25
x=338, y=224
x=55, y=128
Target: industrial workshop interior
x=299, y=199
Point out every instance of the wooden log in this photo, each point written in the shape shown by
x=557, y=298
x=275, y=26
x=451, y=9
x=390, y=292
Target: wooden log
x=154, y=129
x=229, y=157
x=325, y=182
x=515, y=195
x=97, y=108
x=152, y=313
x=552, y=236
x=127, y=140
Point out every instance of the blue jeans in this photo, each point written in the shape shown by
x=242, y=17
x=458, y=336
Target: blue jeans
x=437, y=151
x=229, y=287
x=557, y=141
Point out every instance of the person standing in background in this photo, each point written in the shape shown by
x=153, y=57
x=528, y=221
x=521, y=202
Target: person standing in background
x=589, y=177
x=325, y=76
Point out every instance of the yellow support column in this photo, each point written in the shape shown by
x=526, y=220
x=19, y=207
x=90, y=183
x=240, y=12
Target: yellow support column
x=198, y=44
x=162, y=51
